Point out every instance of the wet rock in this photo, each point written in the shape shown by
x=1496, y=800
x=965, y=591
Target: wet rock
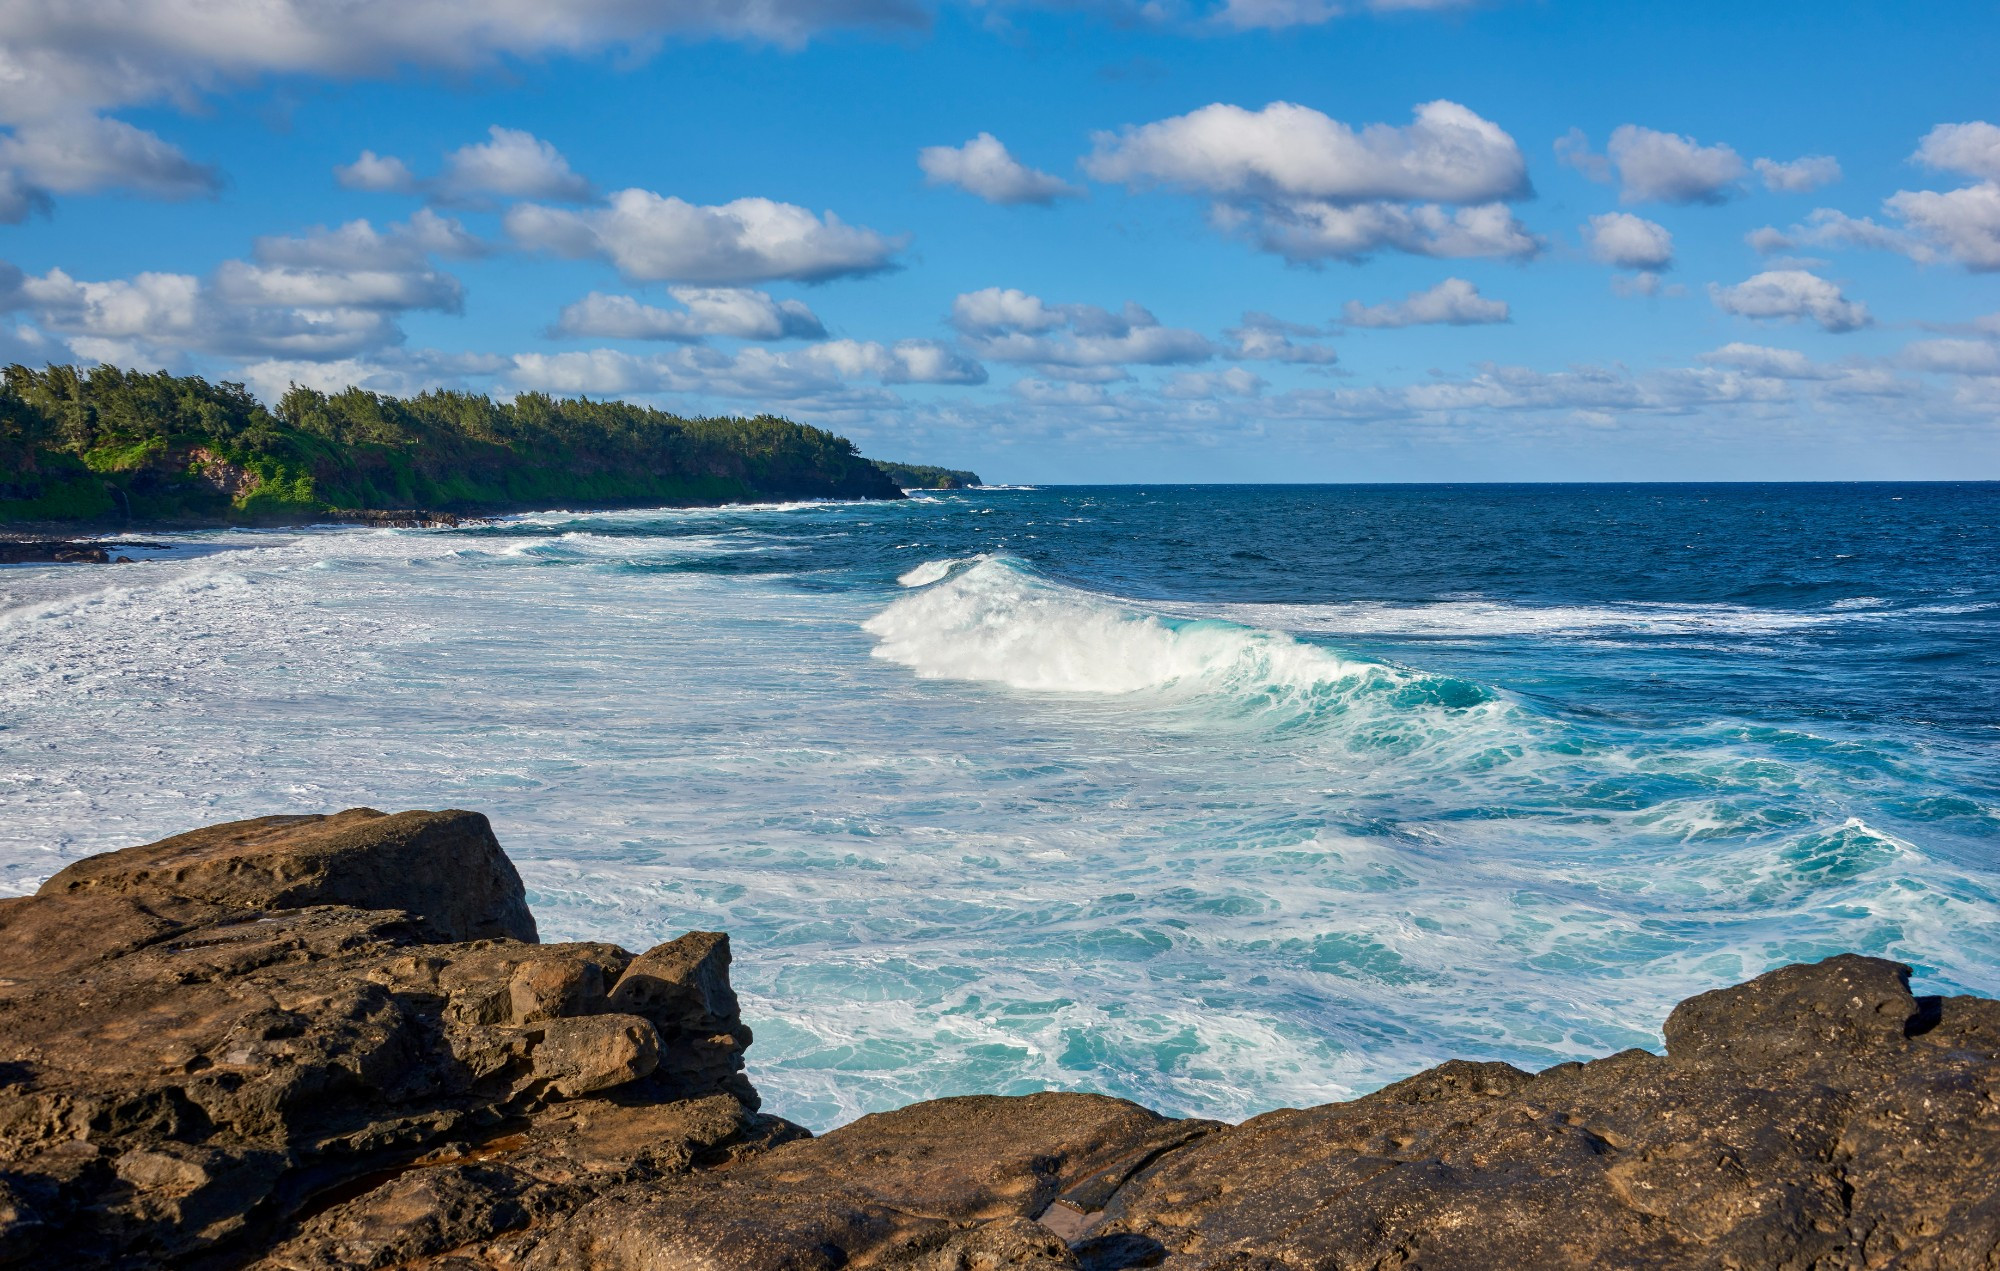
x=52, y=552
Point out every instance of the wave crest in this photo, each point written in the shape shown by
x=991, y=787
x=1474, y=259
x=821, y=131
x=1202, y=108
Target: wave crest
x=995, y=620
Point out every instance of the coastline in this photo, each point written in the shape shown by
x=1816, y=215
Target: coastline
x=312, y=1042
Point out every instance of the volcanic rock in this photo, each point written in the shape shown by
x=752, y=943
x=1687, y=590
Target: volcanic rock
x=307, y=1043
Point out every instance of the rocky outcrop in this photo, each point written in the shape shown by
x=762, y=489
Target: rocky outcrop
x=311, y=1043
x=52, y=551
x=203, y=1039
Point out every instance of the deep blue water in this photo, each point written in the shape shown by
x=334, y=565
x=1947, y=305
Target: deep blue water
x=1218, y=797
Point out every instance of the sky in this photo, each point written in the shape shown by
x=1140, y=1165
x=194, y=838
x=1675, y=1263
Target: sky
x=1083, y=240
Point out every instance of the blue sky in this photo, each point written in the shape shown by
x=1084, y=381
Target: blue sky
x=1229, y=240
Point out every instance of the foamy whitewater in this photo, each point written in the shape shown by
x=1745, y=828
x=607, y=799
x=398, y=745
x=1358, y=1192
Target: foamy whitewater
x=1218, y=799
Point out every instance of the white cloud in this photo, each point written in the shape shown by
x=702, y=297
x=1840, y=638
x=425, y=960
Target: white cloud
x=1665, y=167
x=1790, y=295
x=1625, y=241
x=383, y=174
x=1263, y=338
x=1799, y=175
x=1006, y=325
x=82, y=154
x=101, y=53
x=726, y=311
x=510, y=164
x=133, y=319
x=359, y=245
x=651, y=237
x=242, y=283
x=819, y=371
x=1453, y=302
x=983, y=167
x=1971, y=148
x=324, y=294
x=993, y=310
x=1769, y=240
x=1285, y=151
x=1954, y=357
x=1963, y=224
x=1760, y=359
x=513, y=164
x=1307, y=231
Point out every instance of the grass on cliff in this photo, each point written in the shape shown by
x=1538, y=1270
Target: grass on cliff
x=109, y=445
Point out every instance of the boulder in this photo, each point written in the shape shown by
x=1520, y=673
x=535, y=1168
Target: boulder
x=444, y=868
x=203, y=1039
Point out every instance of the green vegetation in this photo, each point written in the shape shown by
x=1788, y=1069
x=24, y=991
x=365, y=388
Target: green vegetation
x=918, y=476
x=106, y=445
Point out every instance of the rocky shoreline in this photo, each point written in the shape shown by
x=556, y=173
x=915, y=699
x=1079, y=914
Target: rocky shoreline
x=315, y=1042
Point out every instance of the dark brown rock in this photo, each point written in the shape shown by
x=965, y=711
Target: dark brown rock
x=1818, y=1116
x=201, y=1037
x=445, y=868
x=277, y=1044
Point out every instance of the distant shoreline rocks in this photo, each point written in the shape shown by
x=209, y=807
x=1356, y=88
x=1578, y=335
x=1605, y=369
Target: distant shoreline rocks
x=317, y=1042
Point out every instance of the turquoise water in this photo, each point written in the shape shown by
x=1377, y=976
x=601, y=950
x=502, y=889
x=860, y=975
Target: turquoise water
x=1218, y=798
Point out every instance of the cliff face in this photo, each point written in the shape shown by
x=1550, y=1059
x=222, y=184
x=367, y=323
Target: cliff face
x=306, y=1042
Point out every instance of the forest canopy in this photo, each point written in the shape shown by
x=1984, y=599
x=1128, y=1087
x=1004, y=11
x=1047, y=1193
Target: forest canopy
x=109, y=445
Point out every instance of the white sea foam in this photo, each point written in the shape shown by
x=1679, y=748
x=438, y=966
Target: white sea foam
x=1495, y=618
x=1044, y=837
x=999, y=622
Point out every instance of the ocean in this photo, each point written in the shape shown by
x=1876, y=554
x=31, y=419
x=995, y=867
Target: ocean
x=1217, y=798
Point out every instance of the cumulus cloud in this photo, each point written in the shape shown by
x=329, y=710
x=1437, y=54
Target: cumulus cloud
x=133, y=319
x=512, y=164
x=1308, y=231
x=1075, y=341
x=656, y=238
x=104, y=53
x=1791, y=295
x=1763, y=360
x=1310, y=188
x=1453, y=302
x=1625, y=241
x=1970, y=148
x=726, y=311
x=325, y=294
x=1962, y=224
x=819, y=371
x=1665, y=167
x=359, y=245
x=1799, y=175
x=84, y=154
x=382, y=174
x=983, y=167
x=1263, y=338
x=1447, y=154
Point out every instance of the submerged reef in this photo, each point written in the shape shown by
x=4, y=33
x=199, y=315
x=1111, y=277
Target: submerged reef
x=307, y=1042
